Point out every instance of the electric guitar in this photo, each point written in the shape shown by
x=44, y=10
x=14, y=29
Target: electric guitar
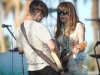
x=58, y=62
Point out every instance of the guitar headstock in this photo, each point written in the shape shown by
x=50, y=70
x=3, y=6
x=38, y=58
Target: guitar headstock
x=81, y=45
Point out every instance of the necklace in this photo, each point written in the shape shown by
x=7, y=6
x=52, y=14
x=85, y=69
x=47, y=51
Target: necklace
x=67, y=41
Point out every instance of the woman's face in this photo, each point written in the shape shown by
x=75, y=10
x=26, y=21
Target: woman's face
x=63, y=18
x=63, y=14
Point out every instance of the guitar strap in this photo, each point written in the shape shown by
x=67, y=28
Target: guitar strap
x=39, y=53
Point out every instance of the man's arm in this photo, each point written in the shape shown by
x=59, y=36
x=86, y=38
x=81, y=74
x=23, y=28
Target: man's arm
x=53, y=47
x=20, y=49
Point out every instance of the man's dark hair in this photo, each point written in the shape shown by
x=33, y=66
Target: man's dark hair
x=38, y=5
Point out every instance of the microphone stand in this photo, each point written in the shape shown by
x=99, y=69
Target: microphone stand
x=10, y=32
x=98, y=20
x=19, y=53
x=22, y=64
x=97, y=60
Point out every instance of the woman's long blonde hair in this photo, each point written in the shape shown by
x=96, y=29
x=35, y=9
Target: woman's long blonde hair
x=72, y=20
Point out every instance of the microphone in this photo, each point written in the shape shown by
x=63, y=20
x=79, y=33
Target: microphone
x=98, y=42
x=4, y=25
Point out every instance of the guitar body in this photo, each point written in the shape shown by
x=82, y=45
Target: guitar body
x=57, y=61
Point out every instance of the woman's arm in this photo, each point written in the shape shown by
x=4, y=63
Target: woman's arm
x=65, y=58
x=81, y=34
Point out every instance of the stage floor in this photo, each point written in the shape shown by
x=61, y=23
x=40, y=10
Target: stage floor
x=11, y=64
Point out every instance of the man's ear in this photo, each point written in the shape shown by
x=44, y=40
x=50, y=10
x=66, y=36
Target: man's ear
x=38, y=13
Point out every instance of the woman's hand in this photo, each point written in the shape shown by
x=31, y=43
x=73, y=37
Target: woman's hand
x=75, y=50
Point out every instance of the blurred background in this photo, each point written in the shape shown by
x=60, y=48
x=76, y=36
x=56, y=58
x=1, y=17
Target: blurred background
x=14, y=12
